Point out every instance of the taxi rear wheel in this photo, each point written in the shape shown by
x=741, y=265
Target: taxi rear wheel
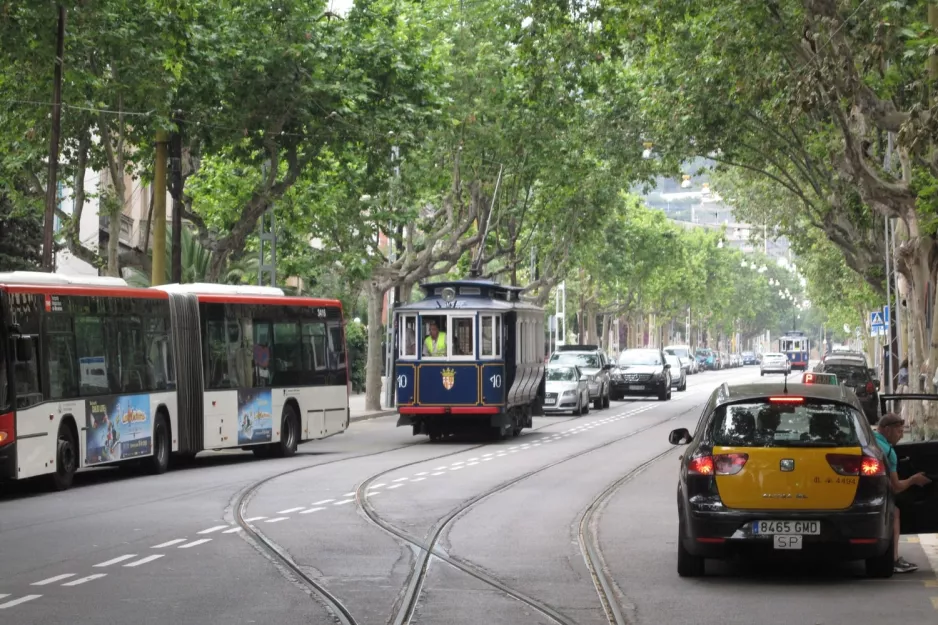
x=882, y=566
x=688, y=565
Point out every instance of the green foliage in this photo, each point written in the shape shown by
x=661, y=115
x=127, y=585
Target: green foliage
x=20, y=237
x=356, y=339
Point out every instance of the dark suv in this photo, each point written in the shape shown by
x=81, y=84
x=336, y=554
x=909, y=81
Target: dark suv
x=851, y=371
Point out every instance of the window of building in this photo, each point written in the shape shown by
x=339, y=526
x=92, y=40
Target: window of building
x=490, y=331
x=462, y=337
x=408, y=337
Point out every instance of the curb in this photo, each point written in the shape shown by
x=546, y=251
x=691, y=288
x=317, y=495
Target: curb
x=372, y=415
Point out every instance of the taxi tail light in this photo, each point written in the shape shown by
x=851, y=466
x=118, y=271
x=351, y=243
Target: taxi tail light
x=870, y=388
x=729, y=464
x=866, y=466
x=700, y=465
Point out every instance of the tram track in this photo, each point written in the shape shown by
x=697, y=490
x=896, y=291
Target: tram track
x=410, y=596
x=340, y=613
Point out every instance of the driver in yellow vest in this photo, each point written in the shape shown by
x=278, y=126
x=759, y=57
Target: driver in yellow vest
x=435, y=344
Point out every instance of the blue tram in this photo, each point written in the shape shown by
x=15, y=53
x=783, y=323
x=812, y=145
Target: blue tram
x=469, y=355
x=797, y=346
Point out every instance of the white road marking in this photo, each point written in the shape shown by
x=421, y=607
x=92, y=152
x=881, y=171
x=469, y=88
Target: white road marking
x=170, y=543
x=311, y=510
x=195, y=543
x=343, y=502
x=501, y=455
x=380, y=485
x=2, y=595
x=211, y=530
x=485, y=456
x=50, y=580
x=512, y=451
x=472, y=459
x=457, y=468
x=155, y=556
x=418, y=479
x=15, y=602
x=257, y=518
x=402, y=479
x=84, y=580
x=394, y=486
x=324, y=501
x=536, y=445
x=352, y=494
x=550, y=440
x=437, y=473
x=456, y=463
x=439, y=468
x=116, y=560
x=233, y=530
x=515, y=447
x=487, y=459
x=277, y=519
x=291, y=510
x=422, y=473
x=472, y=464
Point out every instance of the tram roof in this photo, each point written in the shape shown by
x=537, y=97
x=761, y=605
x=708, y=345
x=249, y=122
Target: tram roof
x=471, y=294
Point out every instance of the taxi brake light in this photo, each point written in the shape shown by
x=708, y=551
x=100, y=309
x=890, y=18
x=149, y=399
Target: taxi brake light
x=729, y=464
x=700, y=465
x=870, y=388
x=786, y=400
x=844, y=464
x=872, y=466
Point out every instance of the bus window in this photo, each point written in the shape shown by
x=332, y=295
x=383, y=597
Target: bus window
x=462, y=339
x=336, y=347
x=61, y=361
x=288, y=357
x=159, y=359
x=4, y=385
x=26, y=372
x=92, y=360
x=314, y=346
x=262, y=353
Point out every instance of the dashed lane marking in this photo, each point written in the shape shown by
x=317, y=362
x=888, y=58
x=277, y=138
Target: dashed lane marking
x=115, y=560
x=352, y=494
x=292, y=510
x=437, y=473
x=257, y=518
x=155, y=556
x=211, y=530
x=472, y=464
x=324, y=501
x=311, y=510
x=233, y=530
x=456, y=468
x=394, y=486
x=277, y=519
x=439, y=468
x=170, y=543
x=15, y=602
x=51, y=580
x=422, y=473
x=343, y=502
x=402, y=479
x=418, y=479
x=195, y=543
x=373, y=486
x=84, y=580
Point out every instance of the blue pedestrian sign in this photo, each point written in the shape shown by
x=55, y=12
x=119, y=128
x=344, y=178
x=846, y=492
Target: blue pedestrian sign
x=876, y=318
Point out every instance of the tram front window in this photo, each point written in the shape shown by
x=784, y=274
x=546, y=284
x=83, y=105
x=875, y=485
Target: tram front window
x=462, y=337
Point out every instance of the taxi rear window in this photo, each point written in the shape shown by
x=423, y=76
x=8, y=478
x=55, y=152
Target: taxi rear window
x=764, y=423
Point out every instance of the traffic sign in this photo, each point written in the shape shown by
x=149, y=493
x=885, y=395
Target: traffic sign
x=878, y=330
x=876, y=318
x=886, y=314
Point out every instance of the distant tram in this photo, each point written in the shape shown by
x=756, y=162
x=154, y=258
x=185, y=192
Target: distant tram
x=470, y=355
x=797, y=347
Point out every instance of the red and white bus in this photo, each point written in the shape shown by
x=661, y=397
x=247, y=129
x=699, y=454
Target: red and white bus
x=94, y=372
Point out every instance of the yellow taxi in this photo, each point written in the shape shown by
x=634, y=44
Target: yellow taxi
x=783, y=467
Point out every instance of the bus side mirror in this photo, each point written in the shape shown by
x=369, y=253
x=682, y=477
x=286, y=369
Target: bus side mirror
x=24, y=348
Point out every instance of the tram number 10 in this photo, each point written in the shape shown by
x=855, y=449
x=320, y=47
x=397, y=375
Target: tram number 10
x=402, y=381
x=496, y=381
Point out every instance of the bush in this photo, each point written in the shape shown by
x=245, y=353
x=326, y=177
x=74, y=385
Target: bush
x=357, y=340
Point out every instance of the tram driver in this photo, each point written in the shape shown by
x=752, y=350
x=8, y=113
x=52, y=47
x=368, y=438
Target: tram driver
x=434, y=345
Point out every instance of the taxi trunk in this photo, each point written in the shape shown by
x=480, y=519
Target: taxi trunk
x=789, y=478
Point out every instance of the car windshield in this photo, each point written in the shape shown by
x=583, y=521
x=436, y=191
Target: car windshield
x=581, y=360
x=851, y=375
x=673, y=360
x=762, y=423
x=640, y=357
x=677, y=351
x=561, y=374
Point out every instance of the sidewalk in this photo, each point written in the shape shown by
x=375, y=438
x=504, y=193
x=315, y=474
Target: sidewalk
x=356, y=407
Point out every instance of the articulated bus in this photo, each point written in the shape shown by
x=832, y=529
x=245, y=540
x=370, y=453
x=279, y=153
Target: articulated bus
x=93, y=373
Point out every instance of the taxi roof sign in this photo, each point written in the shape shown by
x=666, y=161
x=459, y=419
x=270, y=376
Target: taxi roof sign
x=813, y=377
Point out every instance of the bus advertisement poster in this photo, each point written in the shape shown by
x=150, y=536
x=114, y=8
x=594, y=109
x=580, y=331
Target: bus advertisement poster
x=254, y=416
x=118, y=428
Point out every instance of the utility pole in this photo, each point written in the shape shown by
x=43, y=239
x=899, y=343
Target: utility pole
x=159, y=211
x=52, y=190
x=175, y=159
x=393, y=297
x=887, y=364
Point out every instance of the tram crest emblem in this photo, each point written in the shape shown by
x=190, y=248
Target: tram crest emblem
x=449, y=378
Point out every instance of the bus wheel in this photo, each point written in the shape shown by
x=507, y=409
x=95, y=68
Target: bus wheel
x=159, y=461
x=66, y=459
x=289, y=433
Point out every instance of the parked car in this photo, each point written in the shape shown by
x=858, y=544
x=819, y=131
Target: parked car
x=749, y=358
x=775, y=362
x=685, y=354
x=679, y=368
x=853, y=373
x=593, y=362
x=642, y=372
x=566, y=390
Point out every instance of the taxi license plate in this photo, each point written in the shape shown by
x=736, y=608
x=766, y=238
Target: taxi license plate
x=636, y=387
x=764, y=528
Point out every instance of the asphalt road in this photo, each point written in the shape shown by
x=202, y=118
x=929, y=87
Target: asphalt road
x=354, y=514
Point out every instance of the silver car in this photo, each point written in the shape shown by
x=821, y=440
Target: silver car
x=566, y=390
x=593, y=363
x=775, y=362
x=679, y=368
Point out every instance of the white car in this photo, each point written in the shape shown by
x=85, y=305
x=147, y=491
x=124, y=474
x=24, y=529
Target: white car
x=684, y=353
x=775, y=362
